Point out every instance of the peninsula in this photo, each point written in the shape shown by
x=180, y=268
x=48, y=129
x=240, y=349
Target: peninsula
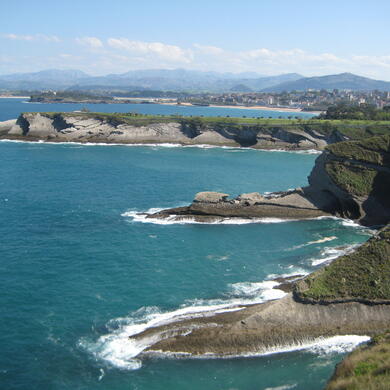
x=131, y=128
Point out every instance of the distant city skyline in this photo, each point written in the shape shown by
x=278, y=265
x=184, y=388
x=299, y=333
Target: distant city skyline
x=100, y=37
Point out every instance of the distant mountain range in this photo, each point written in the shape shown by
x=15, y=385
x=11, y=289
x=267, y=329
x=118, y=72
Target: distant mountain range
x=184, y=80
x=46, y=79
x=336, y=81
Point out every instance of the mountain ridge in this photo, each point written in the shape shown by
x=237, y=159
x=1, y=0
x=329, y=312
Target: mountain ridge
x=344, y=80
x=187, y=80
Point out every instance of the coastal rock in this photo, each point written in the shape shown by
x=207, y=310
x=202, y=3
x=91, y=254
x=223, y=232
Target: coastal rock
x=352, y=298
x=350, y=180
x=251, y=198
x=264, y=327
x=6, y=126
x=210, y=197
x=112, y=128
x=214, y=207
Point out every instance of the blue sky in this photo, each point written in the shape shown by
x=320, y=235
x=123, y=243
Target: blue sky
x=268, y=37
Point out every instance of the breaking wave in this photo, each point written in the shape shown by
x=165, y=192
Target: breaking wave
x=138, y=216
x=319, y=346
x=141, y=216
x=118, y=350
x=164, y=145
x=329, y=254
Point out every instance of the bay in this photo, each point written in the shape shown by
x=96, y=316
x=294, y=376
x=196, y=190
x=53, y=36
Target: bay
x=11, y=108
x=76, y=268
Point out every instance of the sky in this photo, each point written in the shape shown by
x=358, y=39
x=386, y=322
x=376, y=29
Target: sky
x=99, y=37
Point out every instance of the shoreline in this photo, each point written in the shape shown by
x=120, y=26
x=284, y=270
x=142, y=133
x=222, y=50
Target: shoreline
x=263, y=108
x=157, y=144
x=14, y=97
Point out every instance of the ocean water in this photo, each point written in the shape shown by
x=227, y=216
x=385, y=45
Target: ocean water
x=11, y=108
x=78, y=272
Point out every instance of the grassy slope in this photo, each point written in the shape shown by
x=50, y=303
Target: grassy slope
x=367, y=368
x=361, y=275
x=357, y=178
x=373, y=150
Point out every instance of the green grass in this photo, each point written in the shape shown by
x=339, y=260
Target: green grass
x=366, y=368
x=361, y=275
x=353, y=129
x=373, y=150
x=349, y=169
x=356, y=180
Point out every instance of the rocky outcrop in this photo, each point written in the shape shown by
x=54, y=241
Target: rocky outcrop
x=214, y=206
x=111, y=128
x=353, y=178
x=350, y=180
x=358, y=304
x=264, y=327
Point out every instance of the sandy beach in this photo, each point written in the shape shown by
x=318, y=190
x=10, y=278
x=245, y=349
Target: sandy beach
x=13, y=97
x=263, y=108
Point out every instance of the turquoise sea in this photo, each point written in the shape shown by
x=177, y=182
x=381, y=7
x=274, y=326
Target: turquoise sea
x=77, y=271
x=11, y=108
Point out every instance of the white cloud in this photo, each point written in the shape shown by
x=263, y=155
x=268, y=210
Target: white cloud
x=117, y=55
x=92, y=42
x=211, y=50
x=170, y=53
x=35, y=37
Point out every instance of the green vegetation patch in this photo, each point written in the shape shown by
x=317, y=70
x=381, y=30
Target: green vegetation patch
x=363, y=275
x=373, y=150
x=366, y=368
x=354, y=179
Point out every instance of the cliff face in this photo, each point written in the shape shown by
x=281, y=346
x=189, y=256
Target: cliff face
x=85, y=127
x=353, y=180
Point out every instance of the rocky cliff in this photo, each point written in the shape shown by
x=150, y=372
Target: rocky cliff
x=118, y=128
x=353, y=179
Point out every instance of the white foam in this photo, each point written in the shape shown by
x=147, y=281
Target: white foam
x=319, y=346
x=319, y=241
x=141, y=216
x=349, y=222
x=329, y=254
x=164, y=145
x=283, y=387
x=119, y=350
x=296, y=272
x=306, y=151
x=260, y=291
